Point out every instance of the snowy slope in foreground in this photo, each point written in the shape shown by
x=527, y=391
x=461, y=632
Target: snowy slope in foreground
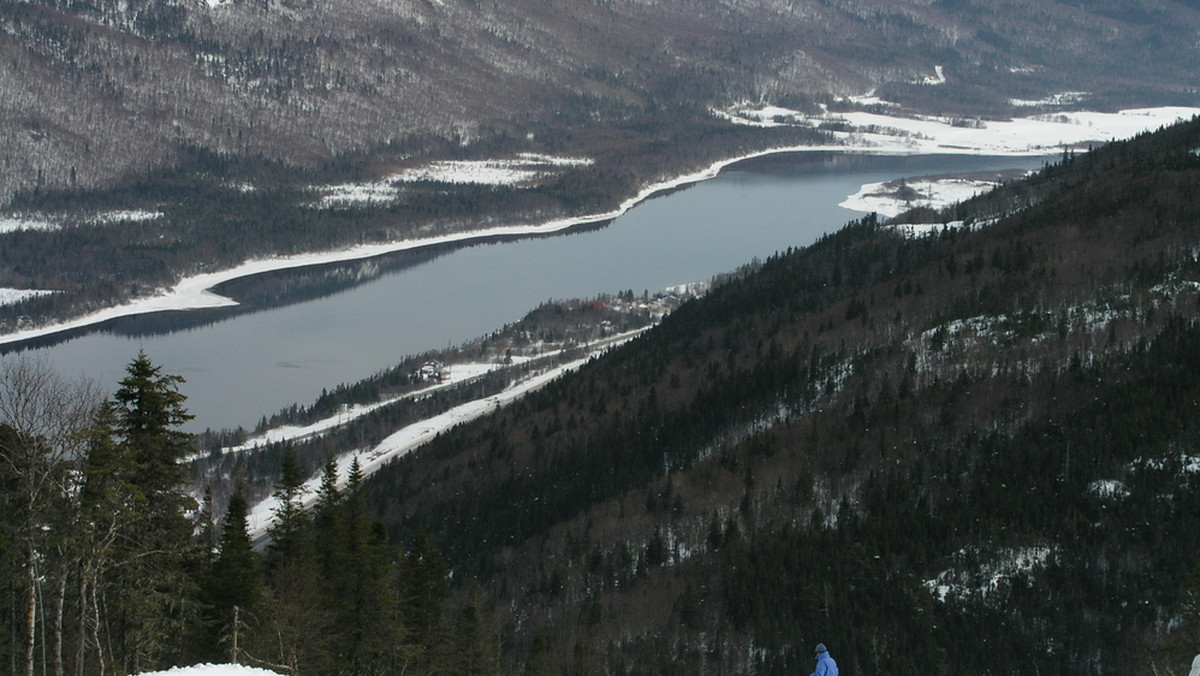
x=212, y=670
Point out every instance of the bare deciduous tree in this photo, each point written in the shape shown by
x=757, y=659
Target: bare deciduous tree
x=42, y=417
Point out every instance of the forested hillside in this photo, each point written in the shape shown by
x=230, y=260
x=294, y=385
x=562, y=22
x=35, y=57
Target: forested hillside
x=972, y=451
x=95, y=91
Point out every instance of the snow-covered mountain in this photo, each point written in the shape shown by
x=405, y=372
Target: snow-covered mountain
x=94, y=92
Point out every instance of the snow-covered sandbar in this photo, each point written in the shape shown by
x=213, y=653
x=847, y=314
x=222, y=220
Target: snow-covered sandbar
x=870, y=133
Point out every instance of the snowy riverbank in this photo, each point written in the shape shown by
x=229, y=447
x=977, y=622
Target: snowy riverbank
x=410, y=437
x=869, y=133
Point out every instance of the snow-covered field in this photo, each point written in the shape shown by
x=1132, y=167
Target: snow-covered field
x=935, y=193
x=872, y=133
x=126, y=215
x=525, y=169
x=923, y=135
x=50, y=222
x=10, y=296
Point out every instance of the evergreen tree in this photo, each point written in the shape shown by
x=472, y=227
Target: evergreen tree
x=233, y=587
x=326, y=514
x=108, y=511
x=154, y=591
x=298, y=626
x=424, y=589
x=150, y=411
x=289, y=526
x=363, y=586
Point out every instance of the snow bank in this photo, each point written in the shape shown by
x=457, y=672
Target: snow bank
x=213, y=670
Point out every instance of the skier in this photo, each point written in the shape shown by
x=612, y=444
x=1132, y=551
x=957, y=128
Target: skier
x=825, y=664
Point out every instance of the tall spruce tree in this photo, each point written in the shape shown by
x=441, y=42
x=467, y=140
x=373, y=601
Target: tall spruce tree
x=289, y=526
x=233, y=587
x=154, y=591
x=300, y=628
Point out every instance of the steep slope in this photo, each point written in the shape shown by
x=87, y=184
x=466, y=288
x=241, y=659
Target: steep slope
x=96, y=90
x=969, y=452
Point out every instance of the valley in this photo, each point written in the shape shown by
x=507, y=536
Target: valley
x=599, y=336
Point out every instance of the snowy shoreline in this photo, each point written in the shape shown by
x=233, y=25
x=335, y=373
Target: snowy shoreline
x=410, y=437
x=883, y=135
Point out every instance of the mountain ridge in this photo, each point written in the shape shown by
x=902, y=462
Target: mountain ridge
x=110, y=89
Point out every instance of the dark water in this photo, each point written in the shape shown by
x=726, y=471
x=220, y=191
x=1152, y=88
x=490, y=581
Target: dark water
x=344, y=322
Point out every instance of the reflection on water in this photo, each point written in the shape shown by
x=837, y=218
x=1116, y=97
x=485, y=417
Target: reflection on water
x=298, y=331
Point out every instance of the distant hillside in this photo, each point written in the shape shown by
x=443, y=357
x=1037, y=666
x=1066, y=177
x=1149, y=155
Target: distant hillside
x=969, y=452
x=96, y=91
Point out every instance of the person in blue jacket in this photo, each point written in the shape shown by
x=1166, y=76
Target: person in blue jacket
x=825, y=664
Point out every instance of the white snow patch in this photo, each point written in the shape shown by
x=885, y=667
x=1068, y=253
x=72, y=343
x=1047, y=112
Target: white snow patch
x=26, y=222
x=212, y=670
x=525, y=169
x=938, y=77
x=126, y=215
x=923, y=229
x=883, y=199
x=366, y=194
x=1109, y=489
x=1060, y=99
x=10, y=296
x=690, y=290
x=979, y=579
x=1037, y=135
x=870, y=99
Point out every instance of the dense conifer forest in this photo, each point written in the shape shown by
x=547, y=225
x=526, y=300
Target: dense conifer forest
x=971, y=451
